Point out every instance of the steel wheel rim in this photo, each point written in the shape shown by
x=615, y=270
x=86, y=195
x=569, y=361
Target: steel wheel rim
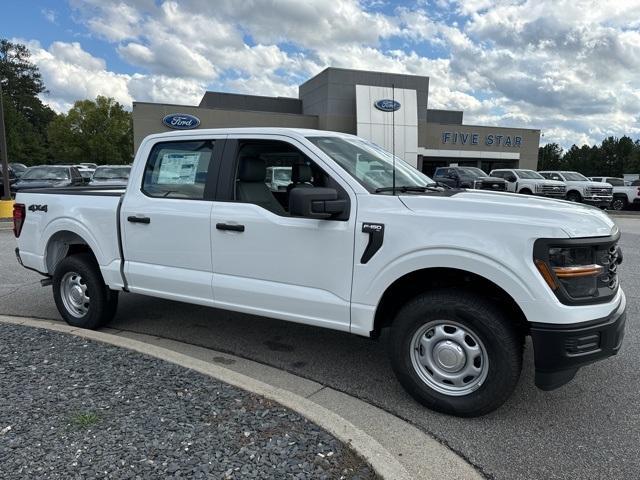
x=617, y=205
x=449, y=357
x=75, y=297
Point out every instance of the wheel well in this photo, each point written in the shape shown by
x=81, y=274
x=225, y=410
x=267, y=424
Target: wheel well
x=574, y=191
x=420, y=281
x=525, y=189
x=61, y=245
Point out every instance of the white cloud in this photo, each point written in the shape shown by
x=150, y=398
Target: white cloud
x=568, y=67
x=50, y=15
x=71, y=74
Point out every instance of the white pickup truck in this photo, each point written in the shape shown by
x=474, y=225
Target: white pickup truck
x=456, y=278
x=528, y=182
x=581, y=189
x=623, y=195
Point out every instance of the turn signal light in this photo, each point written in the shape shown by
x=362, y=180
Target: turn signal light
x=19, y=213
x=578, y=271
x=546, y=274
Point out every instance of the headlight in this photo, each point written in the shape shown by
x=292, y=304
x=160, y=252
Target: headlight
x=538, y=187
x=580, y=273
x=576, y=270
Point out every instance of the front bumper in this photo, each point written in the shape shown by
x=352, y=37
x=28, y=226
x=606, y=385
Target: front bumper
x=598, y=200
x=560, y=350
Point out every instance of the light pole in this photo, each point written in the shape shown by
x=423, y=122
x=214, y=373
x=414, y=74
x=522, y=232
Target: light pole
x=3, y=153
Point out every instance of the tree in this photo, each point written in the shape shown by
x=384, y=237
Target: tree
x=549, y=157
x=99, y=131
x=26, y=117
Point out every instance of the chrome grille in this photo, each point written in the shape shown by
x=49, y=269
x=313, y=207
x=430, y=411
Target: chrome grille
x=606, y=191
x=490, y=185
x=553, y=189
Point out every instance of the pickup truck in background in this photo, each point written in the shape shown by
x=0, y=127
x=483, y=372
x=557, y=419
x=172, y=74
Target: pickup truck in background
x=456, y=279
x=468, y=177
x=528, y=182
x=623, y=195
x=582, y=190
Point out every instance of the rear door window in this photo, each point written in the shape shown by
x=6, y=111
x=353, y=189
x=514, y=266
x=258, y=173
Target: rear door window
x=179, y=169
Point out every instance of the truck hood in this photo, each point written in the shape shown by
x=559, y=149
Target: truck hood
x=576, y=220
x=588, y=184
x=553, y=183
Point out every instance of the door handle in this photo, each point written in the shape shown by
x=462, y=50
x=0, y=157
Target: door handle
x=134, y=219
x=229, y=226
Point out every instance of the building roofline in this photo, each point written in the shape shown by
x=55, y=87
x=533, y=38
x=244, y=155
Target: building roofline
x=484, y=126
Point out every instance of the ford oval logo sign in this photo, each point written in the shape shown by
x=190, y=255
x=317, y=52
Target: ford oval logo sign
x=181, y=121
x=387, y=105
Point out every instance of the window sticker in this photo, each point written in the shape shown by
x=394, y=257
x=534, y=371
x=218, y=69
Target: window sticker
x=178, y=168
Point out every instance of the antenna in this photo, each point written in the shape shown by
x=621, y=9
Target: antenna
x=393, y=134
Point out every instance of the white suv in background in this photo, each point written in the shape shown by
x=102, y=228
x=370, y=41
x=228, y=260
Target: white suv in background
x=581, y=189
x=529, y=182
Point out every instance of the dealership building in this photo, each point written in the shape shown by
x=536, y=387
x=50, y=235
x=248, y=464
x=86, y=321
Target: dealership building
x=392, y=110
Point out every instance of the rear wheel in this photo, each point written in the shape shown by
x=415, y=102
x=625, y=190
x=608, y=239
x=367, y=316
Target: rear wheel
x=80, y=293
x=455, y=353
x=619, y=203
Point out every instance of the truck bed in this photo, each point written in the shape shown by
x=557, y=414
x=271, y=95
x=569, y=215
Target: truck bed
x=73, y=215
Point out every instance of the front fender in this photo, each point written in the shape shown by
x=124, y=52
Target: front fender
x=499, y=273
x=520, y=280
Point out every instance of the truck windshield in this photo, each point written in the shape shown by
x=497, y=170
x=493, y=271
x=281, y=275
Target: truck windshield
x=529, y=174
x=369, y=164
x=46, y=173
x=574, y=177
x=473, y=172
x=108, y=173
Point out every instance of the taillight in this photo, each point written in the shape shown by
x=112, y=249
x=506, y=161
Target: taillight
x=19, y=213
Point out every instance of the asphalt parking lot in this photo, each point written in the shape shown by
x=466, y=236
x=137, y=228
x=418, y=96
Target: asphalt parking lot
x=587, y=429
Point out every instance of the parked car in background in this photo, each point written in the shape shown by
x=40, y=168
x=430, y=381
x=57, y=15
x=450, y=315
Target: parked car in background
x=18, y=168
x=468, y=177
x=86, y=172
x=581, y=189
x=528, y=182
x=111, y=175
x=12, y=179
x=278, y=178
x=624, y=194
x=45, y=176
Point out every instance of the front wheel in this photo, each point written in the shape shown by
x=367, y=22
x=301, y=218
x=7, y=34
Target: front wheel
x=619, y=203
x=574, y=197
x=455, y=353
x=80, y=293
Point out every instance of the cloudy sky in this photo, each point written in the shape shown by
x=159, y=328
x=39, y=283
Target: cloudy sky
x=569, y=68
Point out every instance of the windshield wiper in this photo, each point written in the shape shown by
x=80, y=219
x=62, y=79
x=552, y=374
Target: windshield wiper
x=409, y=188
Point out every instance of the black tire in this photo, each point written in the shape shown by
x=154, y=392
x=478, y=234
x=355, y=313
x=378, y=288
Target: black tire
x=503, y=345
x=618, y=203
x=526, y=191
x=103, y=302
x=574, y=196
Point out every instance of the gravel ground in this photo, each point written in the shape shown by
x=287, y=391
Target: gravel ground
x=73, y=408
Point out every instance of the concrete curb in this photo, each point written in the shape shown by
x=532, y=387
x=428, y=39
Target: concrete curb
x=394, y=448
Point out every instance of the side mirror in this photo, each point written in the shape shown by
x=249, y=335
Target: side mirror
x=315, y=202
